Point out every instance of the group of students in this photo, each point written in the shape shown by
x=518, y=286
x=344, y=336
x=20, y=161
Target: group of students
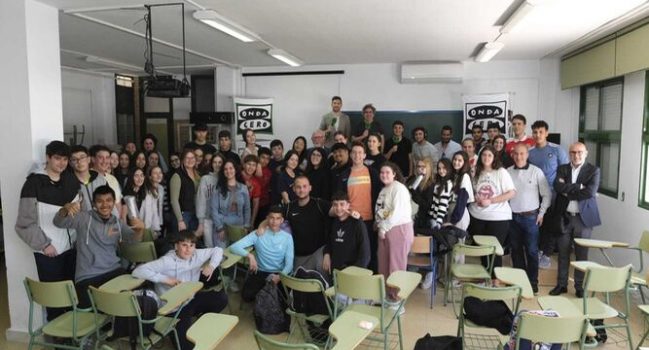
x=346, y=201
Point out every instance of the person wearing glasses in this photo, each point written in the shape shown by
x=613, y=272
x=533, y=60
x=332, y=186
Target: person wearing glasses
x=576, y=187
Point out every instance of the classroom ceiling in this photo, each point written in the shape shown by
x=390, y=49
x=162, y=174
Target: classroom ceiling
x=332, y=32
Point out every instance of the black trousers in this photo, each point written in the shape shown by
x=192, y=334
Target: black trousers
x=56, y=269
x=374, y=246
x=203, y=302
x=82, y=286
x=499, y=229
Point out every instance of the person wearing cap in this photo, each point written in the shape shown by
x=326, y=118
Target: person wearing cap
x=45, y=192
x=200, y=139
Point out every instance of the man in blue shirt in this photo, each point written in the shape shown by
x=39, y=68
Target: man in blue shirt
x=547, y=156
x=274, y=254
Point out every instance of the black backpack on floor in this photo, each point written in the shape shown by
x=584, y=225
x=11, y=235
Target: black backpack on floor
x=269, y=310
x=442, y=342
x=128, y=326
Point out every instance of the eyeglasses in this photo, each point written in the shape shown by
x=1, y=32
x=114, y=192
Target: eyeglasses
x=577, y=152
x=78, y=159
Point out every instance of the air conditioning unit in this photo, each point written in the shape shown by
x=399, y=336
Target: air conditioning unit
x=432, y=72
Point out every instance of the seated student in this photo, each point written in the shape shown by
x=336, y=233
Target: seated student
x=274, y=250
x=98, y=234
x=185, y=264
x=348, y=243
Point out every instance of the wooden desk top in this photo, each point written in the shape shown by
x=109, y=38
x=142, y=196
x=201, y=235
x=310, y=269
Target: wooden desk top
x=516, y=277
x=210, y=329
x=491, y=241
x=347, y=330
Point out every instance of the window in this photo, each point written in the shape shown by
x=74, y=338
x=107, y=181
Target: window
x=643, y=198
x=600, y=125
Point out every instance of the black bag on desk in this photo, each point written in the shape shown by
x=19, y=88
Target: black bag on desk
x=442, y=342
x=490, y=313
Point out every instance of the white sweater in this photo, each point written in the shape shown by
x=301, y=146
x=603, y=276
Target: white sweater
x=393, y=207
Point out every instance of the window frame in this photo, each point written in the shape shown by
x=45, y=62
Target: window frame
x=602, y=137
x=644, y=163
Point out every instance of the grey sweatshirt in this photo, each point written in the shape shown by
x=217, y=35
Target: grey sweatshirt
x=97, y=242
x=172, y=266
x=206, y=188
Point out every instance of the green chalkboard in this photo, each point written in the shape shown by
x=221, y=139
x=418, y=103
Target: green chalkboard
x=431, y=120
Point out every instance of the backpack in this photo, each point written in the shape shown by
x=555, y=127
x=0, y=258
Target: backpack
x=526, y=344
x=446, y=237
x=312, y=303
x=269, y=310
x=128, y=326
x=489, y=313
x=442, y=342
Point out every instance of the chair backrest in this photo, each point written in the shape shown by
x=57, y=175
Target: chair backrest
x=558, y=330
x=491, y=293
x=265, y=343
x=235, y=233
x=51, y=294
x=421, y=245
x=302, y=285
x=139, y=252
x=607, y=279
x=472, y=250
x=644, y=241
x=360, y=287
x=122, y=304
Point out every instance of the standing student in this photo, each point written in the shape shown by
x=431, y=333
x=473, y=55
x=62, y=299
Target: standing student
x=394, y=224
x=493, y=187
x=44, y=193
x=186, y=264
x=348, y=243
x=422, y=149
x=200, y=139
x=299, y=147
x=139, y=160
x=519, y=122
x=206, y=189
x=225, y=146
x=251, y=146
x=319, y=174
x=398, y=149
x=335, y=121
x=468, y=146
x=462, y=183
x=250, y=163
x=478, y=136
x=150, y=145
x=89, y=180
x=121, y=173
x=374, y=157
x=100, y=156
x=363, y=185
x=493, y=130
x=264, y=175
x=230, y=203
x=182, y=188
x=499, y=143
x=421, y=185
x=286, y=177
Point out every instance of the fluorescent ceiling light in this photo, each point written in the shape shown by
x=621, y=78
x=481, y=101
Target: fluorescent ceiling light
x=518, y=15
x=214, y=20
x=489, y=50
x=285, y=57
x=111, y=63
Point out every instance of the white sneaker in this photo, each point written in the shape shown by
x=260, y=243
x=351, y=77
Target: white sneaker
x=428, y=281
x=394, y=305
x=544, y=261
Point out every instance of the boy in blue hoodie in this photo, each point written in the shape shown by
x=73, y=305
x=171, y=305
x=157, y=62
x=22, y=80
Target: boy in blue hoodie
x=185, y=264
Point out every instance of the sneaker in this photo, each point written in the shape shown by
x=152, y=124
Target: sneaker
x=394, y=305
x=428, y=281
x=544, y=261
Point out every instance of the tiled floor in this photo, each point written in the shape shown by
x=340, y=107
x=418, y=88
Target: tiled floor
x=417, y=321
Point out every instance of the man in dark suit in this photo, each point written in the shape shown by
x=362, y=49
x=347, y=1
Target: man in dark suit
x=576, y=187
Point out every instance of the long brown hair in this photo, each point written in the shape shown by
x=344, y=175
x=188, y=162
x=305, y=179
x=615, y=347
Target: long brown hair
x=495, y=165
x=395, y=169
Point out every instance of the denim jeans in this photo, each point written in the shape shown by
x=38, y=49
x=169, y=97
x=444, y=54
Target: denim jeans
x=524, y=238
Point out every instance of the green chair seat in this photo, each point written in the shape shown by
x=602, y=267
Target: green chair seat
x=638, y=279
x=597, y=309
x=62, y=325
x=470, y=272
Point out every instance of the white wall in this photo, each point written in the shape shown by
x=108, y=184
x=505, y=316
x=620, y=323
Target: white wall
x=89, y=99
x=301, y=100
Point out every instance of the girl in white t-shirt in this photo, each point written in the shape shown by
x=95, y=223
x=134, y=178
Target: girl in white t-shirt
x=493, y=188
